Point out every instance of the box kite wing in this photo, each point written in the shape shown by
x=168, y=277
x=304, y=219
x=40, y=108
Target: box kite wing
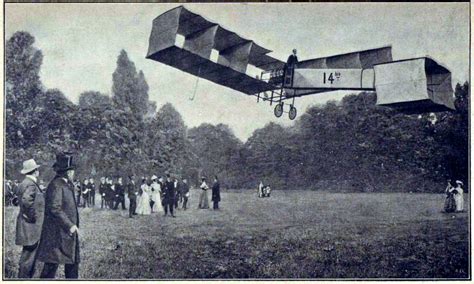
x=194, y=56
x=413, y=85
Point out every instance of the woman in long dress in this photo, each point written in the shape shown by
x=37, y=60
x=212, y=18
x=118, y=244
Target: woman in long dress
x=143, y=206
x=459, y=196
x=156, y=196
x=449, y=203
x=203, y=199
x=260, y=189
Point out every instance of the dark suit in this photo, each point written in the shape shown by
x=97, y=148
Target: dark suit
x=57, y=245
x=168, y=197
x=28, y=225
x=184, y=193
x=102, y=192
x=132, y=196
x=109, y=196
x=216, y=194
x=92, y=194
x=119, y=196
x=292, y=60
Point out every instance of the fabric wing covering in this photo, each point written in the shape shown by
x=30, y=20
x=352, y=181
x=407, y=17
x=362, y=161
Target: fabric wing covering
x=414, y=85
x=201, y=36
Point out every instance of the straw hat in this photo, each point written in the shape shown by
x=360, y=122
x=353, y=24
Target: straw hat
x=29, y=166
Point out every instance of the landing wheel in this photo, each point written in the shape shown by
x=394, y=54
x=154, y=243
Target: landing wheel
x=278, y=110
x=292, y=113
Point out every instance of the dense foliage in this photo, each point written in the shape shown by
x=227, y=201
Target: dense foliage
x=349, y=145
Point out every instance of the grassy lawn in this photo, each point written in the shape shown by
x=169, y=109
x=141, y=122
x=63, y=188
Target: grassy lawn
x=302, y=234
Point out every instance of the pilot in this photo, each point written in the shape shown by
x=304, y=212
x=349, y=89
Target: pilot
x=289, y=67
x=292, y=60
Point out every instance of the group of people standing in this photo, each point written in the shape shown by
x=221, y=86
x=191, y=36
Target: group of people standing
x=454, y=197
x=48, y=220
x=156, y=195
x=216, y=194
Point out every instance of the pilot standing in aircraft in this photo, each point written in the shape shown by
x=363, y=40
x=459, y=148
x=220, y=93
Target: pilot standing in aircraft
x=289, y=67
x=292, y=60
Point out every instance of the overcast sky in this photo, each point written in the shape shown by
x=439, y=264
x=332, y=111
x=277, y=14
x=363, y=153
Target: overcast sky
x=81, y=42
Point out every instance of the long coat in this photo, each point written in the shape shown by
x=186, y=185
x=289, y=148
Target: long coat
x=30, y=218
x=216, y=192
x=169, y=192
x=132, y=191
x=57, y=245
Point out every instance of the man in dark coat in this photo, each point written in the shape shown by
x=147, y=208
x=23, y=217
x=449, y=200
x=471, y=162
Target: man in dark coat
x=169, y=195
x=78, y=188
x=132, y=196
x=185, y=193
x=102, y=191
x=110, y=193
x=119, y=194
x=290, y=66
x=60, y=235
x=292, y=60
x=92, y=193
x=216, y=193
x=30, y=218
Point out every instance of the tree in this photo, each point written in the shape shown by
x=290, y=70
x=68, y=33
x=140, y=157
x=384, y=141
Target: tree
x=92, y=99
x=166, y=141
x=23, y=85
x=129, y=89
x=215, y=148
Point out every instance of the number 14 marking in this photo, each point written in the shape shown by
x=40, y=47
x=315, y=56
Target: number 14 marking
x=330, y=78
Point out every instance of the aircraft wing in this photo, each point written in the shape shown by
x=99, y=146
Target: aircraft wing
x=196, y=45
x=201, y=37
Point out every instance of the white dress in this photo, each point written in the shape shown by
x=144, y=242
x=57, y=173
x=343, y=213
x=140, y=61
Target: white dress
x=459, y=199
x=143, y=206
x=156, y=197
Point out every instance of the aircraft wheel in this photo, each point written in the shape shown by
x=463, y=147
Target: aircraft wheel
x=278, y=110
x=292, y=113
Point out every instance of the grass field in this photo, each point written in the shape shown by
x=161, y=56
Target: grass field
x=293, y=234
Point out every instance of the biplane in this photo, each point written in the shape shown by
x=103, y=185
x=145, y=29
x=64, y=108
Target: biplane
x=196, y=45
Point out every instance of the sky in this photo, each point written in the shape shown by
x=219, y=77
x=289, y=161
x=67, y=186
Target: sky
x=81, y=42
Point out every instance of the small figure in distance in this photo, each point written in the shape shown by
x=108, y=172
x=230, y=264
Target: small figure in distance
x=260, y=189
x=216, y=193
x=449, y=203
x=459, y=196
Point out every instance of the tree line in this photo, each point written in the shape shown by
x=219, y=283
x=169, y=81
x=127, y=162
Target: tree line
x=349, y=145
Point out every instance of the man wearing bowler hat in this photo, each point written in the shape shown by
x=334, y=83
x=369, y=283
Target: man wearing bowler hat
x=30, y=218
x=60, y=234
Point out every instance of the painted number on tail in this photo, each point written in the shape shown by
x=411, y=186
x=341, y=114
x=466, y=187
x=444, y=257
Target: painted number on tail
x=329, y=77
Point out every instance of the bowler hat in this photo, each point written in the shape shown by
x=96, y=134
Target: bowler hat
x=64, y=162
x=29, y=166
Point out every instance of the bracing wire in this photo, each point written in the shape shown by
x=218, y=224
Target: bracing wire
x=196, y=85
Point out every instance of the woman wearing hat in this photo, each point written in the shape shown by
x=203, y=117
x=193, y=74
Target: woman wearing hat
x=60, y=234
x=30, y=218
x=143, y=204
x=449, y=203
x=156, y=195
x=203, y=199
x=459, y=196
